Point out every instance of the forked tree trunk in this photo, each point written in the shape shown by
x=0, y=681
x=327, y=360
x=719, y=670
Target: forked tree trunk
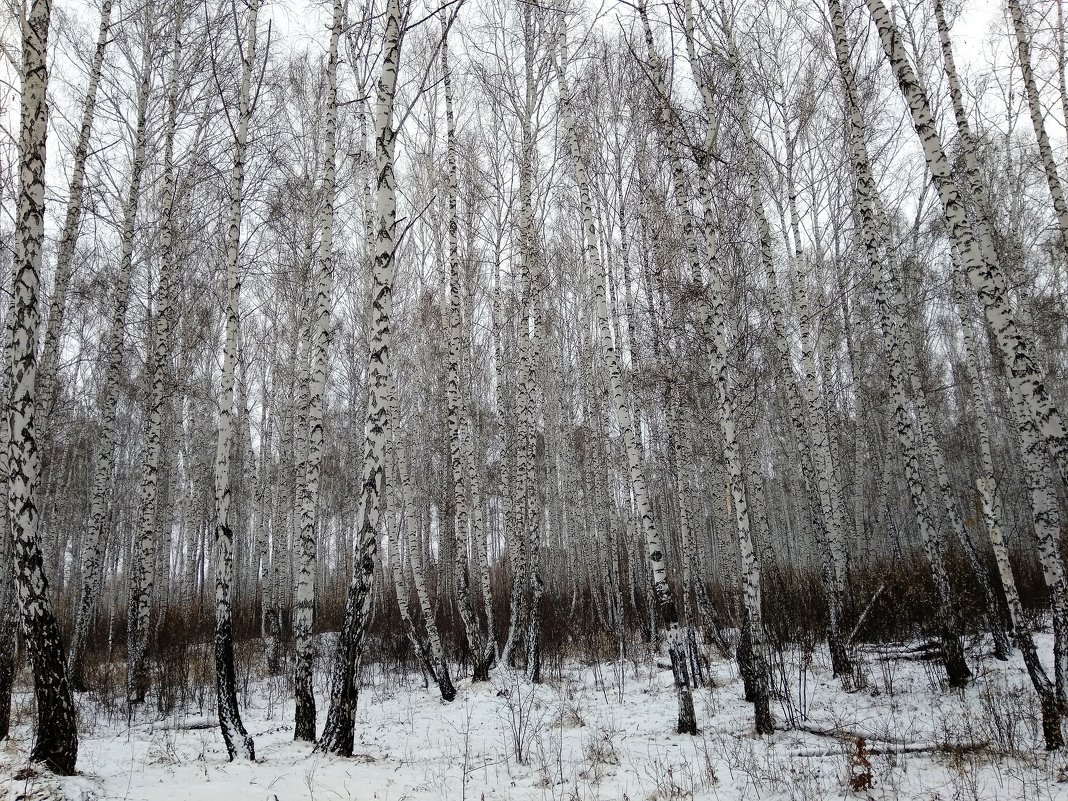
x=435, y=653
x=304, y=717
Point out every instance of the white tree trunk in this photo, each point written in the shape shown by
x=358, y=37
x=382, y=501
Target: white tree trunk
x=56, y=739
x=68, y=237
x=304, y=718
x=147, y=534
x=337, y=737
x=107, y=401
x=711, y=314
x=956, y=669
x=1034, y=106
x=1017, y=348
x=239, y=744
x=1049, y=700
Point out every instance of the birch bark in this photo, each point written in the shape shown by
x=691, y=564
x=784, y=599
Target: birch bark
x=239, y=744
x=1034, y=106
x=107, y=400
x=148, y=494
x=337, y=737
x=304, y=717
x=56, y=737
x=711, y=314
x=957, y=670
x=459, y=444
x=1049, y=702
x=68, y=237
x=827, y=515
x=1025, y=379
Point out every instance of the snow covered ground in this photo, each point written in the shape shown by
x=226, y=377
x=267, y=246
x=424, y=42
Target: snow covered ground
x=599, y=732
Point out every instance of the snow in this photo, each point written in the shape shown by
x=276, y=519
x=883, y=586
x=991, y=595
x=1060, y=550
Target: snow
x=594, y=732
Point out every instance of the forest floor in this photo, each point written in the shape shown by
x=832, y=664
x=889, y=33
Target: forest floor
x=590, y=732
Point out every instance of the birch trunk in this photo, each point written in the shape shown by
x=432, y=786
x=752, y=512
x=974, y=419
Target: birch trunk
x=1017, y=349
x=239, y=744
x=435, y=655
x=1034, y=106
x=525, y=515
x=56, y=738
x=935, y=457
x=459, y=447
x=68, y=238
x=827, y=487
x=827, y=514
x=9, y=619
x=303, y=611
x=1049, y=702
x=147, y=536
x=957, y=670
x=108, y=399
x=711, y=314
x=337, y=737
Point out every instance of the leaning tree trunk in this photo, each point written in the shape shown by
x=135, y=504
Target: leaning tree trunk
x=957, y=670
x=337, y=737
x=436, y=651
x=68, y=237
x=936, y=458
x=1034, y=106
x=1048, y=698
x=1025, y=379
x=239, y=744
x=56, y=738
x=654, y=548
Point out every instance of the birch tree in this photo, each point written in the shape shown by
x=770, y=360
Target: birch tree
x=1017, y=349
x=1034, y=107
x=239, y=744
x=957, y=670
x=337, y=736
x=304, y=719
x=55, y=738
x=68, y=238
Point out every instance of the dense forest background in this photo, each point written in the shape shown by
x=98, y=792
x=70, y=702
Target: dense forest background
x=509, y=333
